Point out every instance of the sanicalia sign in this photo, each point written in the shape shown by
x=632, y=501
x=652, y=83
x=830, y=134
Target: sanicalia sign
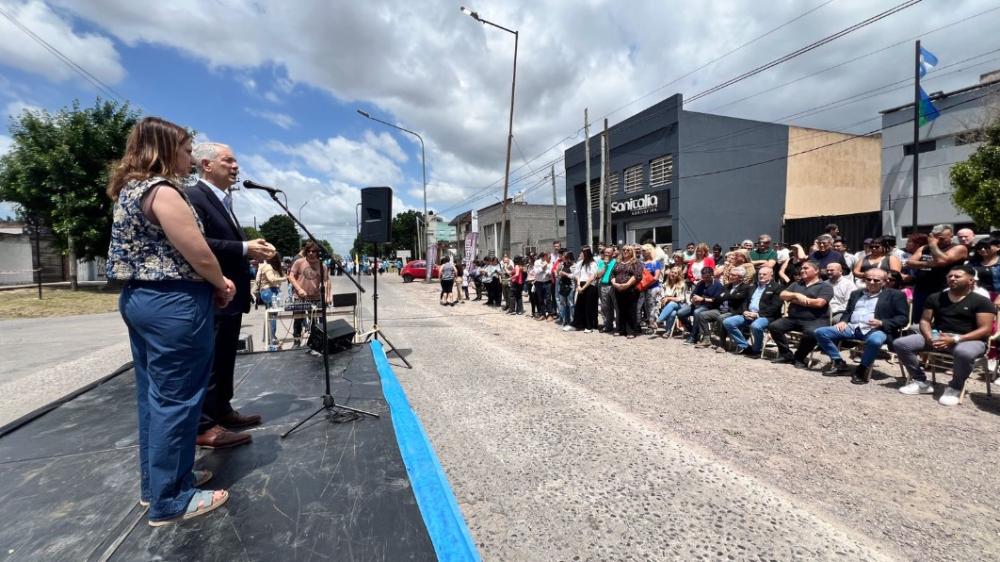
x=642, y=204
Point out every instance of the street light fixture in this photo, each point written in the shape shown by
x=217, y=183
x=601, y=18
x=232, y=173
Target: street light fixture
x=510, y=122
x=423, y=162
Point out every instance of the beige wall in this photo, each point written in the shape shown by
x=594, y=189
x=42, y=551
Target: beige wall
x=839, y=179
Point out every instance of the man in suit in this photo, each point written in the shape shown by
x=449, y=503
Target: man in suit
x=875, y=315
x=212, y=200
x=763, y=306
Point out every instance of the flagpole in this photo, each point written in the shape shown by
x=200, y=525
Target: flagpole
x=916, y=133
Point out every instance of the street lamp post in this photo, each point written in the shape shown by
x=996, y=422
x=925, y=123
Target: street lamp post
x=423, y=162
x=510, y=122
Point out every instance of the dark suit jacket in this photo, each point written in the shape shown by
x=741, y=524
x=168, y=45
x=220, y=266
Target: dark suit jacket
x=225, y=238
x=737, y=297
x=891, y=309
x=770, y=302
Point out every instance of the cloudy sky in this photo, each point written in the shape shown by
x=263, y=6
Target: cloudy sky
x=281, y=81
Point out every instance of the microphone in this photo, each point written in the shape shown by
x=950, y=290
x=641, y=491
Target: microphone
x=249, y=184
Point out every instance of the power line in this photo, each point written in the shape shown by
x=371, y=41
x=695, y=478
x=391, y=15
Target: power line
x=717, y=59
x=94, y=81
x=479, y=193
x=855, y=59
x=804, y=50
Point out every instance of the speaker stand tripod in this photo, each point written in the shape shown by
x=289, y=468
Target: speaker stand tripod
x=376, y=331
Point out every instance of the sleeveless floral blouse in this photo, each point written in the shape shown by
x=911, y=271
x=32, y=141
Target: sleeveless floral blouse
x=140, y=249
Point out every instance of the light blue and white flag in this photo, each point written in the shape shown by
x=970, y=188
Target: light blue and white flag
x=927, y=61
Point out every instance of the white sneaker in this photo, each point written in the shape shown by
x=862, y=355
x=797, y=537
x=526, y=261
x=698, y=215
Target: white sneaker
x=949, y=397
x=567, y=328
x=587, y=331
x=918, y=387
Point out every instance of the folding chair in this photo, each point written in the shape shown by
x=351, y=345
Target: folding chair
x=943, y=362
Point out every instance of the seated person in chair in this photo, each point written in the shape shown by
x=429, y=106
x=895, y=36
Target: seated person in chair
x=874, y=315
x=731, y=302
x=703, y=298
x=957, y=322
x=808, y=309
x=763, y=306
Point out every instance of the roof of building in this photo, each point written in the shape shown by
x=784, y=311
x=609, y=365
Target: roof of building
x=942, y=95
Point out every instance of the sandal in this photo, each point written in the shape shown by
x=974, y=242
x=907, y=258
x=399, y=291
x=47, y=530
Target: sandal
x=202, y=502
x=200, y=478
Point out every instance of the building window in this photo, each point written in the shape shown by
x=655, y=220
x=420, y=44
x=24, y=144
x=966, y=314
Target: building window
x=562, y=222
x=634, y=179
x=595, y=191
x=925, y=146
x=661, y=171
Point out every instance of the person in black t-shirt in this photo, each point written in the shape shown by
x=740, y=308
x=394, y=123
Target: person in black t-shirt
x=956, y=321
x=808, y=309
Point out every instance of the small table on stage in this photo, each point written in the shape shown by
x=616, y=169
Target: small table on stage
x=295, y=311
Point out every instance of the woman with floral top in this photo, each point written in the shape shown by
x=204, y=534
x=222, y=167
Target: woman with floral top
x=171, y=281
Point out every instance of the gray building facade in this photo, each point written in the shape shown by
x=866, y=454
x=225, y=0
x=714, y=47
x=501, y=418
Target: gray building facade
x=530, y=227
x=678, y=176
x=949, y=139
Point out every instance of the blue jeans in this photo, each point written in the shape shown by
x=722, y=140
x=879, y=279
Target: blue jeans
x=686, y=312
x=542, y=294
x=269, y=295
x=734, y=324
x=170, y=327
x=566, y=308
x=828, y=336
x=668, y=314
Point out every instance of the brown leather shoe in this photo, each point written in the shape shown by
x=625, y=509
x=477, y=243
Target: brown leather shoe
x=235, y=421
x=216, y=437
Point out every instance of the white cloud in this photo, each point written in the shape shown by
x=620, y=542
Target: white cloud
x=386, y=144
x=345, y=160
x=6, y=143
x=96, y=53
x=17, y=107
x=282, y=120
x=424, y=64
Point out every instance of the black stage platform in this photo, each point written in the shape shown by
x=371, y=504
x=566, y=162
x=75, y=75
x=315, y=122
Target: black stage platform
x=69, y=478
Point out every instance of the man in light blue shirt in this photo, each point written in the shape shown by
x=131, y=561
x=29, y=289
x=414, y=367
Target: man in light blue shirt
x=873, y=315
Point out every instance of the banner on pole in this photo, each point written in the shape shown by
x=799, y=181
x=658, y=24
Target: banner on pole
x=471, y=239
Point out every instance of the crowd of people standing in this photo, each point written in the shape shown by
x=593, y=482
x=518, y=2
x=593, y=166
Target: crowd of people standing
x=942, y=289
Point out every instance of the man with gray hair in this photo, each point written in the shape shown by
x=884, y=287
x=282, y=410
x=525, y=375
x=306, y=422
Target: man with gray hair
x=211, y=198
x=763, y=255
x=825, y=255
x=967, y=238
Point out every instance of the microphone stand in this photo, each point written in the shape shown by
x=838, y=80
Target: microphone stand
x=329, y=403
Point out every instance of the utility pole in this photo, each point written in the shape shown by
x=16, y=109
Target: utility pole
x=916, y=133
x=604, y=184
x=555, y=208
x=607, y=183
x=586, y=150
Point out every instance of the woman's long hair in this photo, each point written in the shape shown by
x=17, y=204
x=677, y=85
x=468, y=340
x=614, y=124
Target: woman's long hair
x=151, y=150
x=586, y=256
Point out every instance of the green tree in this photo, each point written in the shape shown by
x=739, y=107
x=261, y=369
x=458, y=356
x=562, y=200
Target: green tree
x=362, y=248
x=976, y=181
x=57, y=171
x=280, y=231
x=327, y=246
x=251, y=233
x=404, y=230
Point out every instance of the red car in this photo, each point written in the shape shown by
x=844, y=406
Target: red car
x=417, y=269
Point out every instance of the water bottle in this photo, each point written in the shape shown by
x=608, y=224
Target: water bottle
x=935, y=334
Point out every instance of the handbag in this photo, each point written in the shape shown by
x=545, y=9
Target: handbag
x=647, y=280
